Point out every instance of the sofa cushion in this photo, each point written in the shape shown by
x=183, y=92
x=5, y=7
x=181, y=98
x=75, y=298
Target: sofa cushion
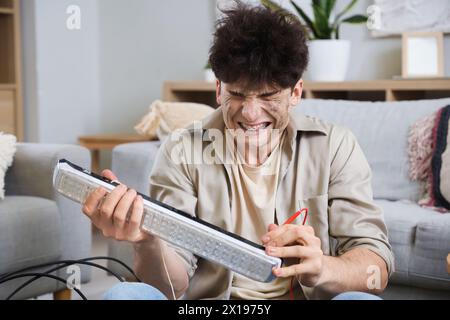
x=29, y=232
x=382, y=131
x=420, y=239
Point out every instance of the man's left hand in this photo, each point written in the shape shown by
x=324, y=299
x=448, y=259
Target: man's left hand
x=296, y=241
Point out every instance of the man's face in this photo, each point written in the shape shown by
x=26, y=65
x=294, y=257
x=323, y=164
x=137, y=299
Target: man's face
x=259, y=110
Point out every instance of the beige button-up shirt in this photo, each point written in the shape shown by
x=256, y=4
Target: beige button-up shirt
x=322, y=168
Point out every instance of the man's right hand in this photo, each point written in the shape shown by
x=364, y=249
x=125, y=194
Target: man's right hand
x=117, y=214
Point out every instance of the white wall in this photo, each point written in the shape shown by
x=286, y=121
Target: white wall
x=102, y=78
x=142, y=44
x=61, y=71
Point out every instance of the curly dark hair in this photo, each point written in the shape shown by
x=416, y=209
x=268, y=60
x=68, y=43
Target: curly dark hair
x=256, y=46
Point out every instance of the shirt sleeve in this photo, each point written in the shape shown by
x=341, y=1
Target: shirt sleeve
x=170, y=183
x=354, y=219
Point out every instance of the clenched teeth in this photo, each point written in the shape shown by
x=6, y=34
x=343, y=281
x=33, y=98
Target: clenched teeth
x=262, y=125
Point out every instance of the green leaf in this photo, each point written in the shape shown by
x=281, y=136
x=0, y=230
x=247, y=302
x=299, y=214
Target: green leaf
x=346, y=9
x=357, y=18
x=337, y=22
x=329, y=7
x=325, y=5
x=321, y=23
x=271, y=5
x=276, y=7
x=320, y=3
x=305, y=18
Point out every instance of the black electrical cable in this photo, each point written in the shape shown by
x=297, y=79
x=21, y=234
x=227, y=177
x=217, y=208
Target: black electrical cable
x=79, y=260
x=61, y=264
x=33, y=274
x=56, y=269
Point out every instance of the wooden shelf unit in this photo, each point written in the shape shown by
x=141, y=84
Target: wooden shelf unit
x=375, y=90
x=6, y=11
x=11, y=102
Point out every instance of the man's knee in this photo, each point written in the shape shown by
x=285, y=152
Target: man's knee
x=133, y=291
x=355, y=295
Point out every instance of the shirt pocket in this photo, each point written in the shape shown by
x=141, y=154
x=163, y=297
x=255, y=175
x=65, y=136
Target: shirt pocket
x=317, y=218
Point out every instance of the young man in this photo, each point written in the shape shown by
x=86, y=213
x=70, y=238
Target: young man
x=256, y=181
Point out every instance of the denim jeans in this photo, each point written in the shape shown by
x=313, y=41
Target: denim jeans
x=133, y=291
x=142, y=291
x=356, y=295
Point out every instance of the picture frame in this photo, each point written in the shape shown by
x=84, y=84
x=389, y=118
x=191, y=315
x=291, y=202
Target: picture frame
x=422, y=55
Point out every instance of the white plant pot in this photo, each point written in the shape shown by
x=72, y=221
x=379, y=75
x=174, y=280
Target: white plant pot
x=209, y=75
x=328, y=60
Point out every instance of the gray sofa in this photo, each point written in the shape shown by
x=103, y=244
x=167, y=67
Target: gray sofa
x=420, y=237
x=36, y=225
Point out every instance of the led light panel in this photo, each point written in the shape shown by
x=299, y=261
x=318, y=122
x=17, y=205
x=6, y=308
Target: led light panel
x=176, y=227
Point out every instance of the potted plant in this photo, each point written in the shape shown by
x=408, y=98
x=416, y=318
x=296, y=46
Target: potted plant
x=329, y=55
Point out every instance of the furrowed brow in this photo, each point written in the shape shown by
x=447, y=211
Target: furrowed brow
x=235, y=93
x=268, y=94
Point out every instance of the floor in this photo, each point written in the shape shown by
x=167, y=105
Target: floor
x=100, y=282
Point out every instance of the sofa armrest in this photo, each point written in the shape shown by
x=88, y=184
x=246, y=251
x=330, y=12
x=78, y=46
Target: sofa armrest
x=133, y=162
x=31, y=174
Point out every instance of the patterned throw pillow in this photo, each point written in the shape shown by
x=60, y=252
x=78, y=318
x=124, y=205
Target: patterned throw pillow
x=7, y=150
x=429, y=154
x=440, y=164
